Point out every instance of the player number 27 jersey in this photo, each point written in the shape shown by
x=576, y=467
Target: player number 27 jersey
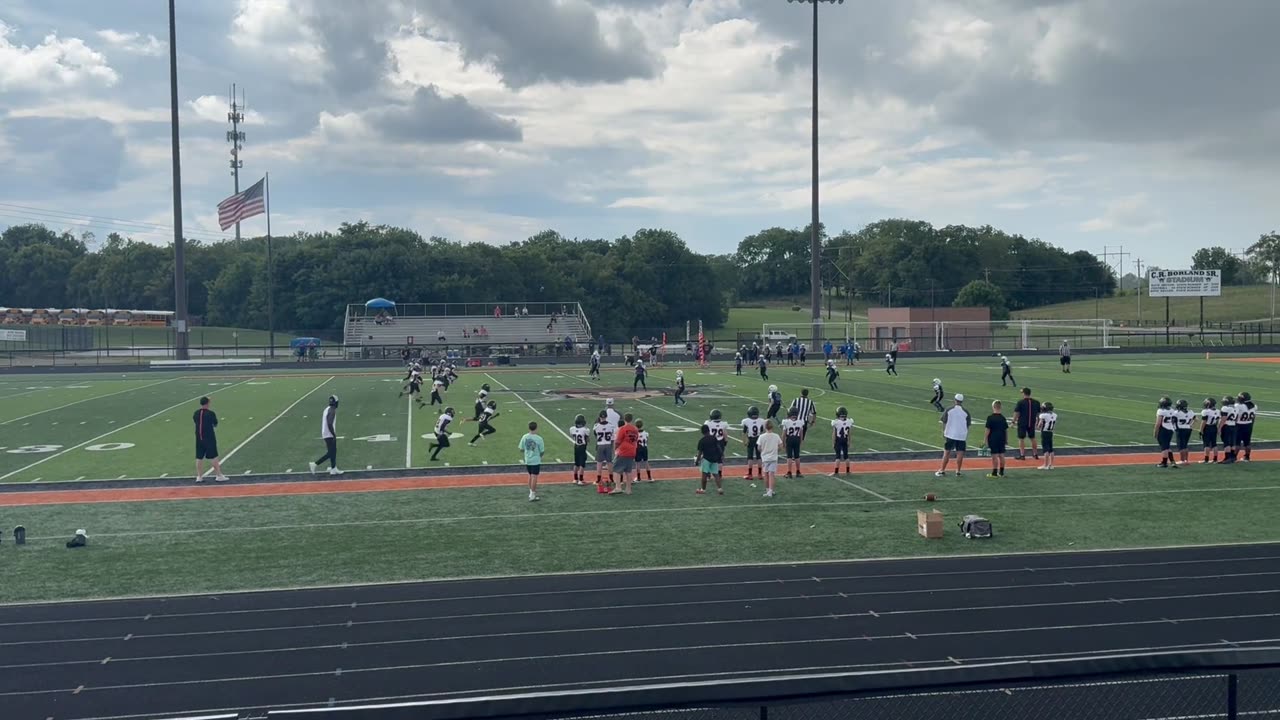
x=793, y=428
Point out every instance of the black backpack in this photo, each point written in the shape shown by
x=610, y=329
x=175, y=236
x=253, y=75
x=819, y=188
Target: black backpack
x=975, y=526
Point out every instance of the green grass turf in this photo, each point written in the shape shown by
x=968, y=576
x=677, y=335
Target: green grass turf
x=270, y=542
x=100, y=426
x=753, y=318
x=1243, y=303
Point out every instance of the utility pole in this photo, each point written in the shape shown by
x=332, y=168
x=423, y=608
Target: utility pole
x=1107, y=252
x=236, y=137
x=181, y=339
x=1140, y=278
x=986, y=274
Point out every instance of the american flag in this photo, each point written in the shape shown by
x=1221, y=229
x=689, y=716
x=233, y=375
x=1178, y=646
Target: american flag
x=242, y=206
x=702, y=346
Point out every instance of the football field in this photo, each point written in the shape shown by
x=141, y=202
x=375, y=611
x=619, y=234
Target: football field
x=105, y=427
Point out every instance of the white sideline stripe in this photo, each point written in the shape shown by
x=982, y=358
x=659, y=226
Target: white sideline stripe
x=270, y=422
x=551, y=631
x=856, y=485
x=97, y=397
x=643, y=651
x=694, y=509
x=116, y=430
x=539, y=413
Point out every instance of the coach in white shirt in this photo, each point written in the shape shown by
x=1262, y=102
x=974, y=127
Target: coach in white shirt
x=955, y=431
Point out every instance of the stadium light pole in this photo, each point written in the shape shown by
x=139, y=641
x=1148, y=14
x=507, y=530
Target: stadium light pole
x=181, y=345
x=815, y=240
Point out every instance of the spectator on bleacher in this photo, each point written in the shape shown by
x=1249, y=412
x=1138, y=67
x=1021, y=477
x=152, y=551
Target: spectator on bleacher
x=525, y=311
x=475, y=332
x=568, y=343
x=440, y=336
x=464, y=333
x=497, y=311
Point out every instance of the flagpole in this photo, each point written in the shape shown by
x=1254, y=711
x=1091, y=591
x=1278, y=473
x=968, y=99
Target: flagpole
x=271, y=310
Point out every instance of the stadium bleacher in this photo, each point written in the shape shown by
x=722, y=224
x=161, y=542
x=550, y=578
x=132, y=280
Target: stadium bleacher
x=370, y=330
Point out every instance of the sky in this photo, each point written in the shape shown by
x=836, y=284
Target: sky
x=1148, y=124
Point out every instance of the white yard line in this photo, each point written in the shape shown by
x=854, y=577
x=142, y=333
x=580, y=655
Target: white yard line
x=271, y=422
x=535, y=410
x=96, y=397
x=116, y=430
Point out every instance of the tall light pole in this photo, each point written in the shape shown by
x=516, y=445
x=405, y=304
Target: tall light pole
x=179, y=271
x=815, y=241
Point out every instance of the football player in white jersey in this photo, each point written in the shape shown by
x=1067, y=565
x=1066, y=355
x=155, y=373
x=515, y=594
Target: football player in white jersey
x=1166, y=425
x=580, y=435
x=792, y=436
x=1047, y=421
x=1246, y=414
x=719, y=429
x=603, y=431
x=481, y=398
x=832, y=374
x=775, y=403
x=752, y=428
x=642, y=452
x=1209, y=420
x=841, y=430
x=437, y=387
x=1228, y=422
x=680, y=389
x=1185, y=419
x=490, y=412
x=442, y=433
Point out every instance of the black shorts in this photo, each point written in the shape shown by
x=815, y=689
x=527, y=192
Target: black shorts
x=1164, y=437
x=1046, y=441
x=773, y=410
x=1026, y=432
x=955, y=445
x=1228, y=435
x=1184, y=438
x=533, y=469
x=207, y=449
x=793, y=448
x=1209, y=436
x=579, y=455
x=998, y=447
x=753, y=452
x=415, y=387
x=442, y=439
x=1065, y=360
x=1244, y=435
x=642, y=454
x=842, y=448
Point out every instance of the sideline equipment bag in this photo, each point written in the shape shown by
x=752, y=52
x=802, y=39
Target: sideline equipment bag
x=975, y=526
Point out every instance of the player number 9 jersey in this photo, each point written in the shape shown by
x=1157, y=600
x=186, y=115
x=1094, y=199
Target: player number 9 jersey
x=753, y=427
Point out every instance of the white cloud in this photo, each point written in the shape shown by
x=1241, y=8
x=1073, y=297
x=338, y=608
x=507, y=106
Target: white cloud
x=214, y=109
x=270, y=28
x=54, y=63
x=1132, y=213
x=948, y=34
x=132, y=42
x=84, y=108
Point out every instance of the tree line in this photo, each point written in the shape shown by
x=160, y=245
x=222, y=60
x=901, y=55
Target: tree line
x=636, y=283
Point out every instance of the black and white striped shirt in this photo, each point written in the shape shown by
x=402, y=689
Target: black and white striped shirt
x=805, y=409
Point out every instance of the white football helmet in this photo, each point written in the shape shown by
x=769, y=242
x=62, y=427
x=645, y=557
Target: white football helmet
x=773, y=388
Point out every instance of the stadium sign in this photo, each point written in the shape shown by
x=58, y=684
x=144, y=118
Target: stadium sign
x=13, y=335
x=1185, y=283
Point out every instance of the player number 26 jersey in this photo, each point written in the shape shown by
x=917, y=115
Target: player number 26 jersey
x=579, y=435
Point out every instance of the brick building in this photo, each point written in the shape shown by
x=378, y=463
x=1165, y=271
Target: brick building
x=929, y=329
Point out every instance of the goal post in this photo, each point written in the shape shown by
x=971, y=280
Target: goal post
x=985, y=335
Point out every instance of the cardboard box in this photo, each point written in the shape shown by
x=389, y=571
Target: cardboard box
x=929, y=523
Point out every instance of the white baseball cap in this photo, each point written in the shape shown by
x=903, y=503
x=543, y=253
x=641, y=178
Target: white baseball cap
x=609, y=402
x=959, y=397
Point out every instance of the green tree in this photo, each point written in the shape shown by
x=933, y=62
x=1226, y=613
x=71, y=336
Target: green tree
x=1234, y=270
x=1265, y=255
x=980, y=293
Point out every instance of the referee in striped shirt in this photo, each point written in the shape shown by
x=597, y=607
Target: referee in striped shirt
x=805, y=410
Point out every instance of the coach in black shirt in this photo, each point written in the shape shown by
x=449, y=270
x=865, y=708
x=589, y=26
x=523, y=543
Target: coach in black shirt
x=207, y=441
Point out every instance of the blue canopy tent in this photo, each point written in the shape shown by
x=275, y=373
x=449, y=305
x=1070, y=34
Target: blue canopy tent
x=307, y=342
x=380, y=304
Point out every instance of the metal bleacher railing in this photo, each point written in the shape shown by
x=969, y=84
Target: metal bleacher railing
x=1230, y=684
x=454, y=325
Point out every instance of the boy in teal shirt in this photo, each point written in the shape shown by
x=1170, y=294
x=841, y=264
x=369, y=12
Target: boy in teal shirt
x=533, y=447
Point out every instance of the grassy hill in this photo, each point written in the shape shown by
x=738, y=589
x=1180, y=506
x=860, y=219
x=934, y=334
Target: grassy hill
x=1244, y=303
